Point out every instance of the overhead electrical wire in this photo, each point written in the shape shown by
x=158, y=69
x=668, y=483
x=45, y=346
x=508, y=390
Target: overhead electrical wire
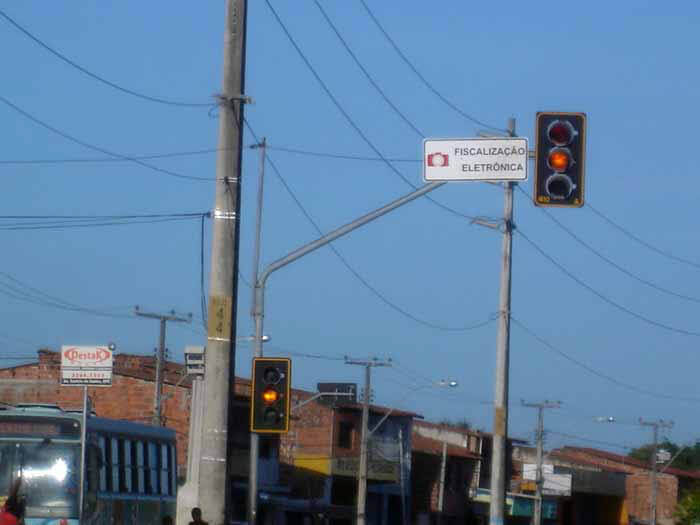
x=597, y=373
x=602, y=296
x=94, y=76
x=350, y=120
x=98, y=148
x=20, y=162
x=610, y=261
x=24, y=223
x=422, y=78
x=641, y=241
x=366, y=73
x=352, y=270
x=16, y=289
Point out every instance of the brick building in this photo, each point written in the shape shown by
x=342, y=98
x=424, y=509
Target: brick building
x=637, y=481
x=130, y=397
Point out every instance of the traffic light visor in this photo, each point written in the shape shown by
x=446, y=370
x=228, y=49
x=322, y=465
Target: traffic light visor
x=560, y=132
x=270, y=395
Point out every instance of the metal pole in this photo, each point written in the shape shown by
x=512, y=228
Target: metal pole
x=257, y=346
x=401, y=479
x=259, y=304
x=539, y=438
x=653, y=475
x=83, y=436
x=215, y=490
x=654, y=489
x=160, y=357
x=500, y=408
x=441, y=493
x=362, y=474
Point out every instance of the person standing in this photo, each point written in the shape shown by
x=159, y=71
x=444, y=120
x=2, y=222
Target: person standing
x=12, y=512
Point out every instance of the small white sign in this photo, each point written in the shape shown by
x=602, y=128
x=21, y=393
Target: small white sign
x=492, y=159
x=86, y=365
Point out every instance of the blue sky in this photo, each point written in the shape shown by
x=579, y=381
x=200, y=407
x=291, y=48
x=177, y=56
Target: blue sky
x=630, y=69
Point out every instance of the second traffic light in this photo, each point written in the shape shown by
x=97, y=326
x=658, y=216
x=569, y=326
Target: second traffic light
x=559, y=159
x=270, y=395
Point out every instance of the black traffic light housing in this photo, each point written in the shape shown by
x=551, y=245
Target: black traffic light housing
x=560, y=153
x=270, y=398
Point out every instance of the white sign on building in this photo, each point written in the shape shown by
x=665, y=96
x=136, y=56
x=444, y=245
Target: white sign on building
x=553, y=484
x=86, y=365
x=489, y=159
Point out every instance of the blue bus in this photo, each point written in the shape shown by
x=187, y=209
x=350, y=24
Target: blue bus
x=129, y=476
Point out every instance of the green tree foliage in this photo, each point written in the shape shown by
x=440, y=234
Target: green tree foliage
x=687, y=459
x=688, y=509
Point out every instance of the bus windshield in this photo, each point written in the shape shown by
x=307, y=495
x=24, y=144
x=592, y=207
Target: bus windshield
x=50, y=475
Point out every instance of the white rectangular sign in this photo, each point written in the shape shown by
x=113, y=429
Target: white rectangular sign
x=86, y=365
x=493, y=159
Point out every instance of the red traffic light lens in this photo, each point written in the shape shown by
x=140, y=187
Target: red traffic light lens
x=560, y=132
x=559, y=159
x=270, y=395
x=271, y=376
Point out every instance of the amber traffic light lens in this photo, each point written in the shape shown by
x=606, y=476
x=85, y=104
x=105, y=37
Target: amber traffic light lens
x=270, y=395
x=559, y=160
x=560, y=133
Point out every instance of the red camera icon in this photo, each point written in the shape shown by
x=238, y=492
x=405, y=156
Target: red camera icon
x=438, y=160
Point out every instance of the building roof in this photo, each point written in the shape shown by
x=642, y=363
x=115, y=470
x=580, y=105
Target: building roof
x=426, y=445
x=603, y=458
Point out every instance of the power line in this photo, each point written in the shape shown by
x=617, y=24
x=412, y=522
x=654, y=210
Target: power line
x=603, y=297
x=366, y=73
x=98, y=148
x=338, y=155
x=95, y=76
x=597, y=373
x=350, y=120
x=422, y=78
x=610, y=261
x=641, y=241
x=83, y=160
x=352, y=270
x=596, y=441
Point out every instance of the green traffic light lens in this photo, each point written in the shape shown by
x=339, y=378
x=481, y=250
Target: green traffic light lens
x=559, y=186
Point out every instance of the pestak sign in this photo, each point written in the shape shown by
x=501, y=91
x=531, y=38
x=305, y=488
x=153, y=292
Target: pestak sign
x=86, y=365
x=484, y=159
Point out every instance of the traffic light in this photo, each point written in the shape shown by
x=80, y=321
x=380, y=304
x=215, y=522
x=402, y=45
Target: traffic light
x=559, y=159
x=269, y=404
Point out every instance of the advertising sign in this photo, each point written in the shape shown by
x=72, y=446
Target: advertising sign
x=86, y=365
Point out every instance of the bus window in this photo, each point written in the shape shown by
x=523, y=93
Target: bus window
x=114, y=460
x=140, y=465
x=108, y=463
x=152, y=468
x=164, y=464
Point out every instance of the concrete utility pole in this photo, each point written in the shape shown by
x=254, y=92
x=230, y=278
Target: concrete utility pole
x=364, y=438
x=220, y=358
x=157, y=418
x=655, y=425
x=441, y=492
x=500, y=404
x=539, y=436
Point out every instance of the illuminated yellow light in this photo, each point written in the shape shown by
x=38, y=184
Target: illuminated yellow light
x=559, y=160
x=270, y=396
